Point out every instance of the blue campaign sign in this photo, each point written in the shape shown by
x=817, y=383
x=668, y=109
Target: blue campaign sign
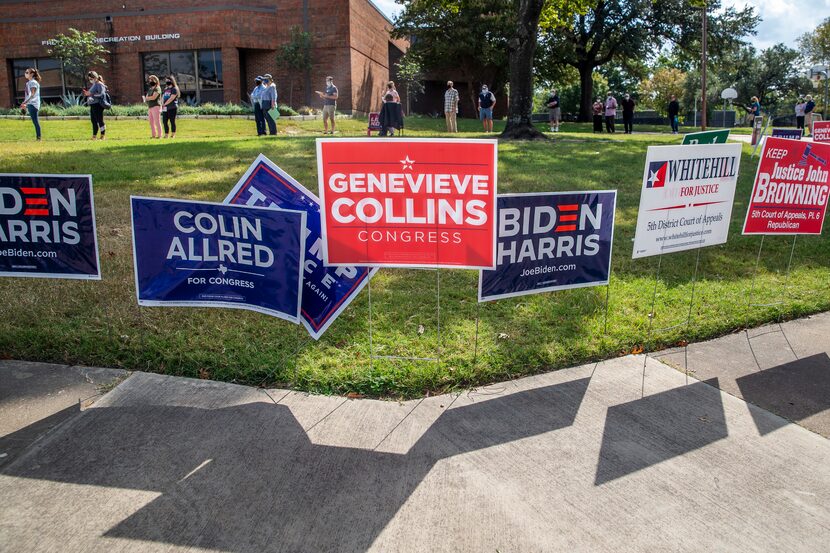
x=47, y=227
x=792, y=134
x=328, y=290
x=203, y=254
x=550, y=241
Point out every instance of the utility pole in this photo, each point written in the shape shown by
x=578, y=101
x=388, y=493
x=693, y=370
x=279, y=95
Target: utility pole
x=703, y=72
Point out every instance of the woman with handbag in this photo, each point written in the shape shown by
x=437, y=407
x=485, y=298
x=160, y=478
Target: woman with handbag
x=96, y=99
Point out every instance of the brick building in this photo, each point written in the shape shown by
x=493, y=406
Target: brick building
x=214, y=49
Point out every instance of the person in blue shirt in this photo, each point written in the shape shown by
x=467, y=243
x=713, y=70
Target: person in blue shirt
x=268, y=101
x=259, y=117
x=95, y=101
x=754, y=110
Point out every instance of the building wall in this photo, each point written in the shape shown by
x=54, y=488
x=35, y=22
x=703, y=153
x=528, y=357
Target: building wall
x=350, y=42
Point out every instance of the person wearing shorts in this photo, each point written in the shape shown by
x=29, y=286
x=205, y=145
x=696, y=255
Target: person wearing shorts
x=329, y=97
x=486, y=103
x=554, y=111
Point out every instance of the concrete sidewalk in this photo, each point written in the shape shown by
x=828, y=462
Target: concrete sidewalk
x=574, y=460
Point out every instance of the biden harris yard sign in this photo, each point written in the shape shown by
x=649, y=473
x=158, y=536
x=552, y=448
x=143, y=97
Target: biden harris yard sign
x=550, y=241
x=686, y=199
x=327, y=290
x=201, y=254
x=408, y=203
x=791, y=188
x=47, y=227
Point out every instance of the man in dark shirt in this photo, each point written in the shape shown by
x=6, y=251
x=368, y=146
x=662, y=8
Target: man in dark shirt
x=554, y=110
x=628, y=113
x=674, y=111
x=486, y=103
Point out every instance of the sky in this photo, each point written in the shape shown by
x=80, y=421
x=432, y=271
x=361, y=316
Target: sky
x=783, y=20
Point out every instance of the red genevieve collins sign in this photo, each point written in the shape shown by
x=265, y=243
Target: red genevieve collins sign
x=791, y=188
x=408, y=203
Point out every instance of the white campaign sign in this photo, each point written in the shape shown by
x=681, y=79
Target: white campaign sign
x=686, y=202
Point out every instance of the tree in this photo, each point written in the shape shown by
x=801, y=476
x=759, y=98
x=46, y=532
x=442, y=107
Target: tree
x=78, y=52
x=410, y=74
x=625, y=31
x=463, y=38
x=815, y=45
x=295, y=56
x=658, y=90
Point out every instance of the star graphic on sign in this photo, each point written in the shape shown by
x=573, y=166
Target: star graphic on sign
x=652, y=177
x=407, y=163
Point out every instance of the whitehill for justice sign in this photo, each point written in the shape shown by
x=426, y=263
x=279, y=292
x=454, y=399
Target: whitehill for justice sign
x=687, y=196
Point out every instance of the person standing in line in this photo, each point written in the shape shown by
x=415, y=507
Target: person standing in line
x=808, y=114
x=170, y=106
x=329, y=97
x=799, y=113
x=610, y=112
x=674, y=112
x=554, y=110
x=256, y=97
x=599, y=109
x=31, y=101
x=153, y=101
x=451, y=107
x=754, y=109
x=95, y=100
x=268, y=101
x=628, y=113
x=486, y=103
x=391, y=116
x=390, y=90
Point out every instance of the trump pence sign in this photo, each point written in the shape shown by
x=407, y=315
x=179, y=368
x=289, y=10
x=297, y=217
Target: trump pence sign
x=408, y=203
x=791, y=188
x=686, y=200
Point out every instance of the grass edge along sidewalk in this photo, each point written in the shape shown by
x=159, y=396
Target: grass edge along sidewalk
x=100, y=323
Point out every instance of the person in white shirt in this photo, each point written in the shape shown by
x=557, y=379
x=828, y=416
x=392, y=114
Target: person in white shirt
x=31, y=101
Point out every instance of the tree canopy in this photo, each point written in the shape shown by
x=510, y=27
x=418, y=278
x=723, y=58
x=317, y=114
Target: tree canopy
x=78, y=52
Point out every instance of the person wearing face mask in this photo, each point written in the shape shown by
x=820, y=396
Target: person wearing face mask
x=610, y=113
x=329, y=97
x=170, y=106
x=153, y=101
x=628, y=113
x=598, y=109
x=95, y=99
x=486, y=103
x=554, y=110
x=256, y=96
x=268, y=101
x=31, y=103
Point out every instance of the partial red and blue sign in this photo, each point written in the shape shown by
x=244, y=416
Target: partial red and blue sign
x=550, y=241
x=47, y=227
x=656, y=174
x=327, y=290
x=203, y=254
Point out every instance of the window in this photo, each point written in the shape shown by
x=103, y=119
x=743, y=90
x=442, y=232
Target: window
x=51, y=84
x=197, y=72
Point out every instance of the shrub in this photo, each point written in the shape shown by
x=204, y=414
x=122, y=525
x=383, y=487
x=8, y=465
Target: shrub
x=305, y=110
x=286, y=110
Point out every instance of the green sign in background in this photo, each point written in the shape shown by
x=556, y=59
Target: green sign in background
x=706, y=137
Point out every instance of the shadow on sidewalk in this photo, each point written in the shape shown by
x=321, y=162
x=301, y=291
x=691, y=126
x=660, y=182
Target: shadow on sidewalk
x=647, y=431
x=247, y=477
x=795, y=390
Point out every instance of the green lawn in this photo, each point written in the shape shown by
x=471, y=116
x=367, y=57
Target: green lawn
x=99, y=323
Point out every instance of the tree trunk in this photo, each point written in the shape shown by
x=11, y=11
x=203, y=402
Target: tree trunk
x=586, y=92
x=521, y=49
